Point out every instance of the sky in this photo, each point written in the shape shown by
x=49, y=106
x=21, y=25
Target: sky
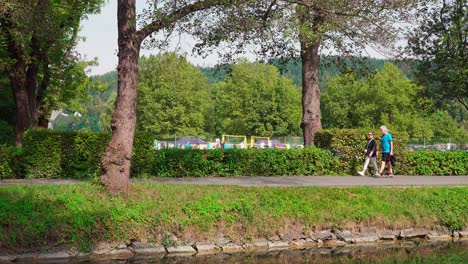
x=100, y=33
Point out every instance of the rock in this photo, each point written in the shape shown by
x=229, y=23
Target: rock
x=319, y=243
x=344, y=235
x=323, y=235
x=147, y=249
x=205, y=248
x=277, y=245
x=121, y=246
x=388, y=235
x=303, y=243
x=434, y=235
x=230, y=248
x=27, y=256
x=260, y=243
x=7, y=258
x=181, y=250
x=363, y=239
x=101, y=248
x=463, y=233
x=55, y=255
x=340, y=243
x=411, y=233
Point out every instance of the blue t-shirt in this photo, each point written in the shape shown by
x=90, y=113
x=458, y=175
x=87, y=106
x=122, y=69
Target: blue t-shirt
x=385, y=142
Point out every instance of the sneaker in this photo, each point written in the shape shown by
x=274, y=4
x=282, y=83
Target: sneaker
x=390, y=175
x=377, y=175
x=361, y=173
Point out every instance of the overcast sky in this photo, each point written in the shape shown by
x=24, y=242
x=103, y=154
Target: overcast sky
x=100, y=31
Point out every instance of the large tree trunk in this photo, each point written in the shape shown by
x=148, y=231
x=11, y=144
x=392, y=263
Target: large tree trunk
x=311, y=116
x=18, y=79
x=117, y=158
x=23, y=114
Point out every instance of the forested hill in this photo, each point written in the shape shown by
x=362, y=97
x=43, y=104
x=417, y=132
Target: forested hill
x=329, y=67
x=292, y=69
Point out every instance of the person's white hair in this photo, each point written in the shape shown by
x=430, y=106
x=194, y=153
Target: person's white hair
x=384, y=128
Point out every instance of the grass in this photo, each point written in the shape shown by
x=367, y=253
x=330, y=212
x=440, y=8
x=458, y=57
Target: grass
x=78, y=215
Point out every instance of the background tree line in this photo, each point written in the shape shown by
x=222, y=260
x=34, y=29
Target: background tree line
x=177, y=98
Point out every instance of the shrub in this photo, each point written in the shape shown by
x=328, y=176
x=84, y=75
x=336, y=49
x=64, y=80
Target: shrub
x=237, y=162
x=433, y=162
x=7, y=154
x=41, y=154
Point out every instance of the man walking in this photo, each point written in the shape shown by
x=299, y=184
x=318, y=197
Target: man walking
x=386, y=143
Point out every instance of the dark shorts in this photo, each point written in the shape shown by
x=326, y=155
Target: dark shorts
x=386, y=157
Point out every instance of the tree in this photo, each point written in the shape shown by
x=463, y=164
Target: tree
x=388, y=97
x=440, y=43
x=160, y=16
x=37, y=40
x=304, y=28
x=174, y=97
x=256, y=100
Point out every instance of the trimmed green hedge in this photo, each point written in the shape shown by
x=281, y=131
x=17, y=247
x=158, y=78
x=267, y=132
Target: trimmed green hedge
x=433, y=162
x=7, y=155
x=54, y=154
x=250, y=162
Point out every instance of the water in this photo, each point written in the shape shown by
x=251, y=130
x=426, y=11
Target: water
x=405, y=252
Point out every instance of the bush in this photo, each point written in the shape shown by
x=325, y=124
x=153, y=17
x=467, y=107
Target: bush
x=433, y=162
x=41, y=154
x=7, y=154
x=53, y=154
x=250, y=162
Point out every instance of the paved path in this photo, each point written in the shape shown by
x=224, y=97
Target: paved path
x=341, y=181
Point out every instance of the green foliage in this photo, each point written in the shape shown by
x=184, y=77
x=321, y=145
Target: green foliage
x=349, y=145
x=440, y=42
x=426, y=162
x=7, y=133
x=388, y=97
x=38, y=55
x=53, y=154
x=256, y=100
x=41, y=154
x=7, y=154
x=174, y=97
x=239, y=162
x=42, y=217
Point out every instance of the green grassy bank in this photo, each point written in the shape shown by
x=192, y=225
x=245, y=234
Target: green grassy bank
x=78, y=215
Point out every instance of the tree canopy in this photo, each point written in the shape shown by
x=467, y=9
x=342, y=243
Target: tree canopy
x=256, y=100
x=440, y=44
x=174, y=97
x=37, y=40
x=305, y=29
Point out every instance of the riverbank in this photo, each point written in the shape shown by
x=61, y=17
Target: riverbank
x=173, y=218
x=333, y=244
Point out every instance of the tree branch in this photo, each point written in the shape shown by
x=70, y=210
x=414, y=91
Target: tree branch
x=169, y=19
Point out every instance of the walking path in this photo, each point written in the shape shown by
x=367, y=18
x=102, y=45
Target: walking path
x=330, y=181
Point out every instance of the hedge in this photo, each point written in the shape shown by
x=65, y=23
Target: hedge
x=54, y=154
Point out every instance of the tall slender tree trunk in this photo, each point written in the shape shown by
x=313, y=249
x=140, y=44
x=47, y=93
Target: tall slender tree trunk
x=117, y=158
x=311, y=115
